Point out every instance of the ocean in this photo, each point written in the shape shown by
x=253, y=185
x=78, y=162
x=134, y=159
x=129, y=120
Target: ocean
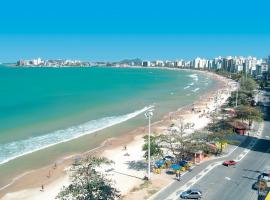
x=46, y=113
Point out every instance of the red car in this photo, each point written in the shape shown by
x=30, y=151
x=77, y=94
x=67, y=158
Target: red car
x=229, y=162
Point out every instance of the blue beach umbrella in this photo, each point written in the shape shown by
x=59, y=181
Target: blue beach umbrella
x=175, y=167
x=159, y=163
x=183, y=163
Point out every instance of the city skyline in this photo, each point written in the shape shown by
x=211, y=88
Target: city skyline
x=106, y=30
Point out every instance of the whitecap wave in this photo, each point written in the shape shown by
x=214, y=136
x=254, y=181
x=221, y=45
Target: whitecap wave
x=12, y=150
x=194, y=77
x=186, y=87
x=195, y=90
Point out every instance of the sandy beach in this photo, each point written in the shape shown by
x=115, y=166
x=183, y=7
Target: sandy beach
x=127, y=171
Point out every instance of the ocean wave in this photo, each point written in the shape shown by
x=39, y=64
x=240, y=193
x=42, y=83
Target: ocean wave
x=191, y=84
x=195, y=90
x=12, y=150
x=186, y=87
x=194, y=77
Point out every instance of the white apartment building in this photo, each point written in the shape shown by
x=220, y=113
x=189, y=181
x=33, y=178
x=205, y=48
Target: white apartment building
x=200, y=63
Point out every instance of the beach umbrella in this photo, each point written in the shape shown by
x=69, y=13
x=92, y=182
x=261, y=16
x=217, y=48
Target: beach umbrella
x=160, y=163
x=175, y=167
x=168, y=158
x=183, y=163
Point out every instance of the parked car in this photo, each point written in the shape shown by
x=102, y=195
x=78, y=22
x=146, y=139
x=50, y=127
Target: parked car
x=229, y=163
x=264, y=175
x=191, y=194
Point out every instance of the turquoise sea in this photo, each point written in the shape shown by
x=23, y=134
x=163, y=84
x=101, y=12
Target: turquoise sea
x=46, y=113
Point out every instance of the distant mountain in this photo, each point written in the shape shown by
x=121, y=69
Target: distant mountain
x=135, y=61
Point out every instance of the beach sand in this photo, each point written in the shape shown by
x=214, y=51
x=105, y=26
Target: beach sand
x=127, y=171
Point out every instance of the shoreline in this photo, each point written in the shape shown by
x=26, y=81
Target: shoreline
x=109, y=144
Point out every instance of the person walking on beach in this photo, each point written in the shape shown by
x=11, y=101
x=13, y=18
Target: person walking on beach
x=42, y=188
x=54, y=166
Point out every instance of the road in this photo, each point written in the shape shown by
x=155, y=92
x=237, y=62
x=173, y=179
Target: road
x=223, y=183
x=236, y=182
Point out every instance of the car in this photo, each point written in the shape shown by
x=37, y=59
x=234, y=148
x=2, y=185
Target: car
x=191, y=194
x=264, y=175
x=229, y=163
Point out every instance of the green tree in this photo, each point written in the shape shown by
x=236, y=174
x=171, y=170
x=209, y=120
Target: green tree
x=244, y=98
x=221, y=137
x=250, y=114
x=87, y=183
x=155, y=148
x=248, y=84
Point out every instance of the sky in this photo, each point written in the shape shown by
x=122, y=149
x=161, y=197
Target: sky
x=113, y=30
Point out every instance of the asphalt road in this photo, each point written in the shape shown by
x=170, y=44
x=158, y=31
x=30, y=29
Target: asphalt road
x=225, y=183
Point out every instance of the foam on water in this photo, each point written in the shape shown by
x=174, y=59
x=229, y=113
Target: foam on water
x=195, y=90
x=12, y=150
x=194, y=77
x=186, y=87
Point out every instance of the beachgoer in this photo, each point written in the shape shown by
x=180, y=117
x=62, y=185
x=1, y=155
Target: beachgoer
x=42, y=188
x=54, y=167
x=49, y=175
x=145, y=178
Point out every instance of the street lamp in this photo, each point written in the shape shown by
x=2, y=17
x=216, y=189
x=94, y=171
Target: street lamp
x=236, y=98
x=149, y=114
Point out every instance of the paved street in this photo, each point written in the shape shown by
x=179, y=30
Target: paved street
x=220, y=182
x=236, y=182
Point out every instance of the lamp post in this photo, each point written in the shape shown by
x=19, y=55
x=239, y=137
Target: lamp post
x=148, y=115
x=236, y=98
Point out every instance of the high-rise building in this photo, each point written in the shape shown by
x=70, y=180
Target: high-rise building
x=268, y=62
x=146, y=63
x=200, y=63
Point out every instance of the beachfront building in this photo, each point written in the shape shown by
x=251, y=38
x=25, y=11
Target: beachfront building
x=200, y=63
x=268, y=63
x=158, y=63
x=250, y=63
x=146, y=63
x=168, y=63
x=179, y=63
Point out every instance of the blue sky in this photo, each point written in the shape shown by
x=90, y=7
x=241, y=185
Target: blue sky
x=119, y=29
